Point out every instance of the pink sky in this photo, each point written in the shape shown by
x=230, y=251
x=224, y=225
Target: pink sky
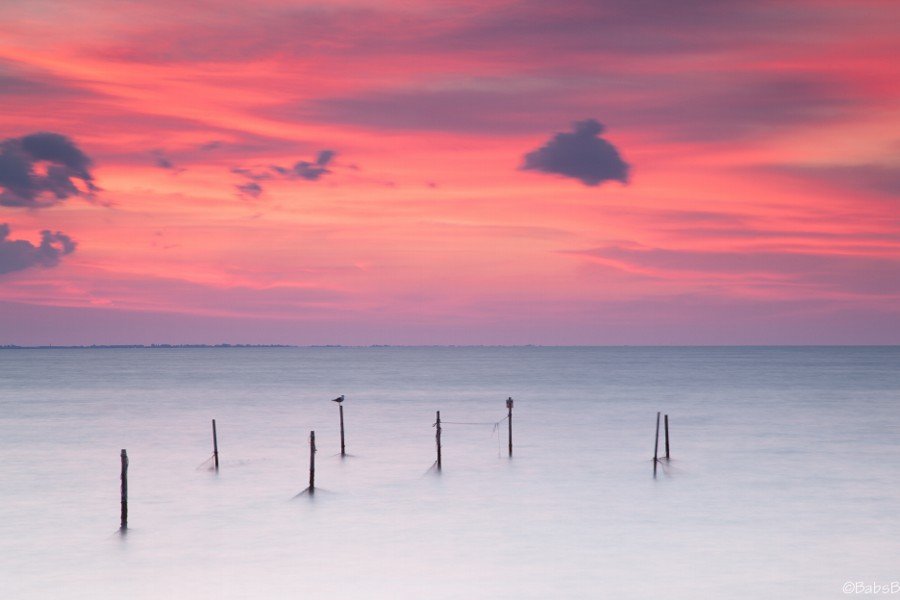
x=761, y=201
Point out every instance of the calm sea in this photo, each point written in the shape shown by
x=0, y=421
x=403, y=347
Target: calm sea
x=784, y=480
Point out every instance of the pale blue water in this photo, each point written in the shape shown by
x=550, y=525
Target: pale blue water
x=784, y=483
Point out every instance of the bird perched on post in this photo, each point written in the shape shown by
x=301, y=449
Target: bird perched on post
x=339, y=399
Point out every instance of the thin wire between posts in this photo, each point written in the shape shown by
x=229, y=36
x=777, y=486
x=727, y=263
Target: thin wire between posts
x=495, y=429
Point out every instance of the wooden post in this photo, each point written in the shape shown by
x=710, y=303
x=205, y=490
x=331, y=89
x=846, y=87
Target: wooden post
x=437, y=436
x=509, y=406
x=123, y=525
x=312, y=462
x=343, y=447
x=340, y=400
x=667, y=437
x=656, y=446
x=215, y=446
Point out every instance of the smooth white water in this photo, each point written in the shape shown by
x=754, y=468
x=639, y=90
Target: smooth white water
x=783, y=483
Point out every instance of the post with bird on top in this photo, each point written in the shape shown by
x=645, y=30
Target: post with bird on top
x=340, y=403
x=509, y=407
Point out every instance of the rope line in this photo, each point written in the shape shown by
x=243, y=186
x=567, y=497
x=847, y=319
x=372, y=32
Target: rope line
x=494, y=423
x=495, y=429
x=207, y=464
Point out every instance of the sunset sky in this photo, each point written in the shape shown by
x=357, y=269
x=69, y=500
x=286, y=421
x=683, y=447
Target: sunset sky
x=449, y=172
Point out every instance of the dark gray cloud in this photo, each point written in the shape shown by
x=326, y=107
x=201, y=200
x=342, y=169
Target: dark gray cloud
x=251, y=189
x=312, y=171
x=41, y=169
x=303, y=169
x=16, y=255
x=163, y=161
x=251, y=174
x=582, y=155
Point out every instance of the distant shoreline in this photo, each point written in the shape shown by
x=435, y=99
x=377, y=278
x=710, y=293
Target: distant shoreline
x=149, y=346
x=208, y=346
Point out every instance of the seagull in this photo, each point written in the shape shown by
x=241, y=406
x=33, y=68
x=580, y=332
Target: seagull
x=339, y=399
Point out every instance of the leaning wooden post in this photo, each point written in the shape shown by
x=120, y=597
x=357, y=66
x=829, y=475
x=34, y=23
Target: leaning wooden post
x=509, y=406
x=215, y=446
x=656, y=446
x=312, y=462
x=667, y=437
x=123, y=525
x=437, y=437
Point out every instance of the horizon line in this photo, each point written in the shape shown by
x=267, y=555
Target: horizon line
x=165, y=346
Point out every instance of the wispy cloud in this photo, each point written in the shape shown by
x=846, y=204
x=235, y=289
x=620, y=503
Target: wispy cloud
x=835, y=272
x=867, y=178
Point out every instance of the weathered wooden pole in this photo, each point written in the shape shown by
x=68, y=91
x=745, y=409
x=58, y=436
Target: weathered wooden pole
x=343, y=447
x=312, y=462
x=215, y=446
x=509, y=407
x=656, y=446
x=123, y=524
x=667, y=437
x=437, y=437
x=340, y=401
